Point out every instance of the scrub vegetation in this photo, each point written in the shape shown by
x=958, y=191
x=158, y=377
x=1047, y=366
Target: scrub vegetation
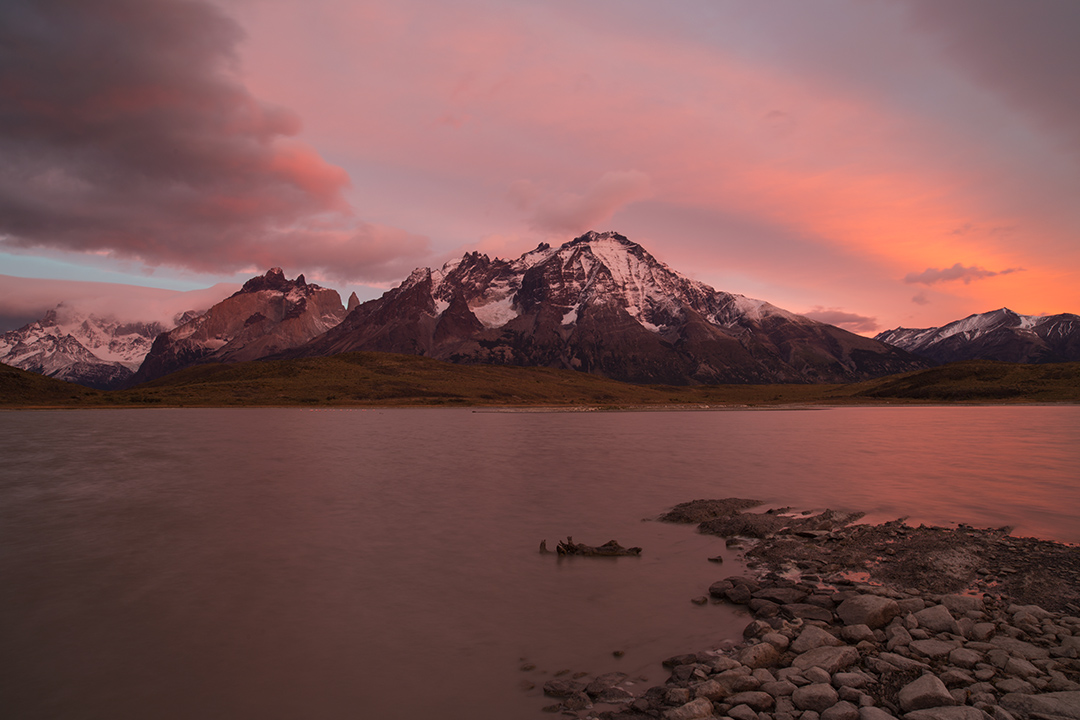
x=385, y=379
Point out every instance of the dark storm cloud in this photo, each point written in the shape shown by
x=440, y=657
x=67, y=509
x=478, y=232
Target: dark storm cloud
x=125, y=130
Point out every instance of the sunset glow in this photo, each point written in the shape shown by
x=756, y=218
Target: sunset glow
x=883, y=163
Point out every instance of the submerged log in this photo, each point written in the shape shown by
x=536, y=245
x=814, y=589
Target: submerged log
x=608, y=549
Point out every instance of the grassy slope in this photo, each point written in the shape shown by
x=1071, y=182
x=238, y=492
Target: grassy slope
x=389, y=379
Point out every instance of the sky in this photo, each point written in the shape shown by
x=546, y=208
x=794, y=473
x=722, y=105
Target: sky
x=868, y=163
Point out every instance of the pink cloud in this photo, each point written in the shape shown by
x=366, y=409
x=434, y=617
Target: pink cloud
x=931, y=276
x=841, y=318
x=573, y=212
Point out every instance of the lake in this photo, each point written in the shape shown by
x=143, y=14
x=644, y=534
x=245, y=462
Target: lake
x=288, y=563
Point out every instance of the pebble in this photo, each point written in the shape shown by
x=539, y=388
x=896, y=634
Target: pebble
x=816, y=652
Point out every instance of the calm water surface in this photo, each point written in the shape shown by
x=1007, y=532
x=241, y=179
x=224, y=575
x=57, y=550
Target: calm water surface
x=382, y=563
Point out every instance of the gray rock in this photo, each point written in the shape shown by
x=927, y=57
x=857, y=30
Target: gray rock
x=962, y=604
x=999, y=713
x=710, y=689
x=899, y=662
x=1020, y=668
x=605, y=682
x=781, y=595
x=614, y=695
x=932, y=648
x=1020, y=648
x=897, y=636
x=842, y=710
x=577, y=701
x=763, y=676
x=871, y=610
x=742, y=712
x=814, y=637
x=937, y=618
x=956, y=712
x=756, y=699
x=829, y=659
x=780, y=688
x=1014, y=685
x=760, y=655
x=738, y=680
x=926, y=692
x=677, y=696
x=850, y=679
x=1061, y=704
x=738, y=594
x=780, y=642
x=965, y=658
x=857, y=633
x=807, y=611
x=910, y=605
x=874, y=713
x=562, y=688
x=817, y=697
x=954, y=676
x=699, y=708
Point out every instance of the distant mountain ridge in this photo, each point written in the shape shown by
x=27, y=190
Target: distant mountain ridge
x=602, y=304
x=268, y=315
x=97, y=352
x=998, y=335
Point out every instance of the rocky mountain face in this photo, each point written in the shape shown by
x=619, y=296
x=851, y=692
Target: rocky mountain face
x=88, y=350
x=602, y=304
x=998, y=335
x=270, y=314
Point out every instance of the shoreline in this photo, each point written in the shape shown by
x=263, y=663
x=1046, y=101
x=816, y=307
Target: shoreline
x=867, y=622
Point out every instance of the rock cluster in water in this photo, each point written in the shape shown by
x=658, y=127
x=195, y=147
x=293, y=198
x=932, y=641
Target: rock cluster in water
x=831, y=648
x=861, y=652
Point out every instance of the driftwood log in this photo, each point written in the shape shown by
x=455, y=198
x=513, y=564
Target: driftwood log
x=608, y=549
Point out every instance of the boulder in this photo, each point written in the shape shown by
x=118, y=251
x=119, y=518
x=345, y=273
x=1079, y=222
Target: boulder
x=955, y=712
x=760, y=655
x=817, y=697
x=926, y=692
x=742, y=712
x=932, y=648
x=874, y=713
x=755, y=699
x=699, y=708
x=830, y=659
x=842, y=710
x=562, y=688
x=873, y=611
x=605, y=682
x=1061, y=704
x=963, y=604
x=781, y=595
x=814, y=637
x=937, y=618
x=965, y=657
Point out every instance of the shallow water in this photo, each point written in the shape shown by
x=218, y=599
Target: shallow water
x=292, y=563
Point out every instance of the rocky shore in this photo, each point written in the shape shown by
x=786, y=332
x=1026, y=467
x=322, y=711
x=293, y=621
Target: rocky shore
x=859, y=622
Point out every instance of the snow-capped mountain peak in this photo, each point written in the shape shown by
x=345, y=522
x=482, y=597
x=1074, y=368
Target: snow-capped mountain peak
x=600, y=303
x=997, y=335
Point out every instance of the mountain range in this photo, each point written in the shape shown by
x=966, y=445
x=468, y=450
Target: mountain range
x=101, y=353
x=999, y=335
x=602, y=304
x=599, y=304
x=267, y=315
